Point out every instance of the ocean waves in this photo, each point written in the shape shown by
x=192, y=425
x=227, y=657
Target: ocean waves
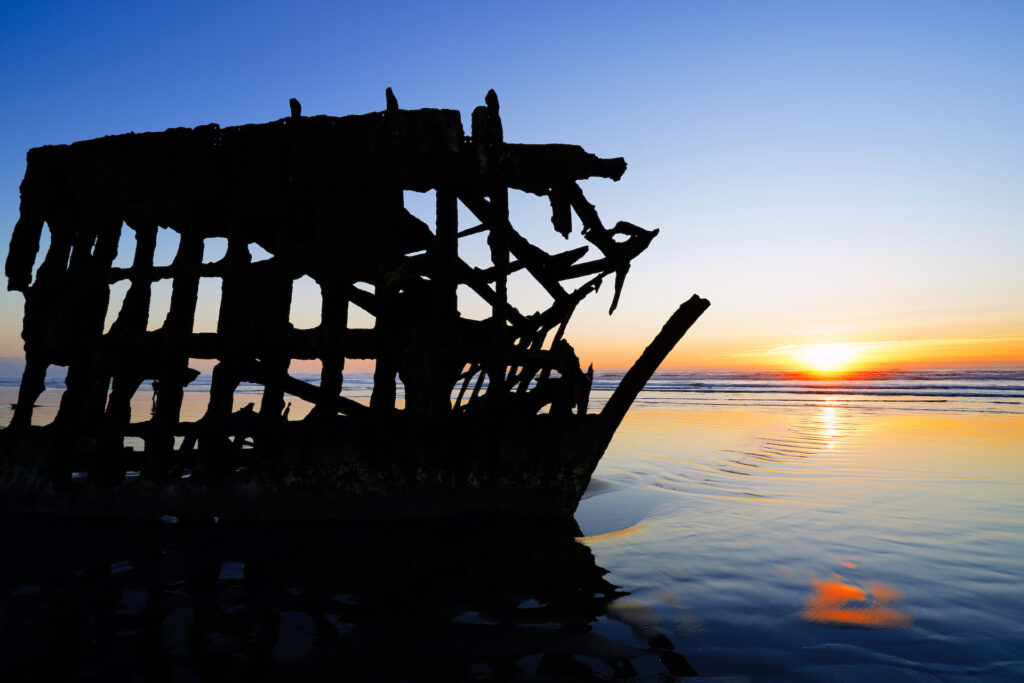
x=997, y=386
x=973, y=390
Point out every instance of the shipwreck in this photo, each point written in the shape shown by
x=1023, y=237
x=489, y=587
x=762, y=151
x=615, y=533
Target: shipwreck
x=495, y=411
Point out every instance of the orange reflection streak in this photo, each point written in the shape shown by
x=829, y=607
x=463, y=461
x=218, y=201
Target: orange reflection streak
x=611, y=534
x=830, y=422
x=840, y=604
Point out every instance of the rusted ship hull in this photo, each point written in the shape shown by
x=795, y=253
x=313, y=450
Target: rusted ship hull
x=346, y=469
x=396, y=465
x=495, y=413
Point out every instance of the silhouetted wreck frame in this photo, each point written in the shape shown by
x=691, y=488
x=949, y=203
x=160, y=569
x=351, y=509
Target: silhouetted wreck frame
x=324, y=196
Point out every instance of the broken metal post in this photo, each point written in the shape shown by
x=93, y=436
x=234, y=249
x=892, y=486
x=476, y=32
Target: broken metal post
x=174, y=371
x=634, y=380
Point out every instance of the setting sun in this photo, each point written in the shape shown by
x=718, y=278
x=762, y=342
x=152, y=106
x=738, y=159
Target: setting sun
x=827, y=358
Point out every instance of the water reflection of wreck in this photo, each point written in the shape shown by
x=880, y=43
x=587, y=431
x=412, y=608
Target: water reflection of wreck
x=420, y=600
x=495, y=414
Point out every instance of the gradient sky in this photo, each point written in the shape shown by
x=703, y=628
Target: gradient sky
x=822, y=172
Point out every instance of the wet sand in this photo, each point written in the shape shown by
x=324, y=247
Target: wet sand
x=749, y=537
x=820, y=542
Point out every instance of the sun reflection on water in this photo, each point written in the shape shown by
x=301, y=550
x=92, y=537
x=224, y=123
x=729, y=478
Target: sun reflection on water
x=829, y=420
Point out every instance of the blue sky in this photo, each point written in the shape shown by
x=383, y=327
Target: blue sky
x=821, y=171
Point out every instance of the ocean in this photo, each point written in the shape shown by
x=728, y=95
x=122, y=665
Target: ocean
x=741, y=526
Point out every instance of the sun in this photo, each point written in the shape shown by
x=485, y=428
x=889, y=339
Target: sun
x=827, y=358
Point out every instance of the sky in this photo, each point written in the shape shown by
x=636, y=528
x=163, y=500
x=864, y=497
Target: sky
x=826, y=173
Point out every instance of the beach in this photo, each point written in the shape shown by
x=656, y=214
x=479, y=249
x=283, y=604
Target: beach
x=740, y=526
x=553, y=341
x=861, y=531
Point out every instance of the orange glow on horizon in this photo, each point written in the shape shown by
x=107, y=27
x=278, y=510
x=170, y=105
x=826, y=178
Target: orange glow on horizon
x=827, y=359
x=837, y=358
